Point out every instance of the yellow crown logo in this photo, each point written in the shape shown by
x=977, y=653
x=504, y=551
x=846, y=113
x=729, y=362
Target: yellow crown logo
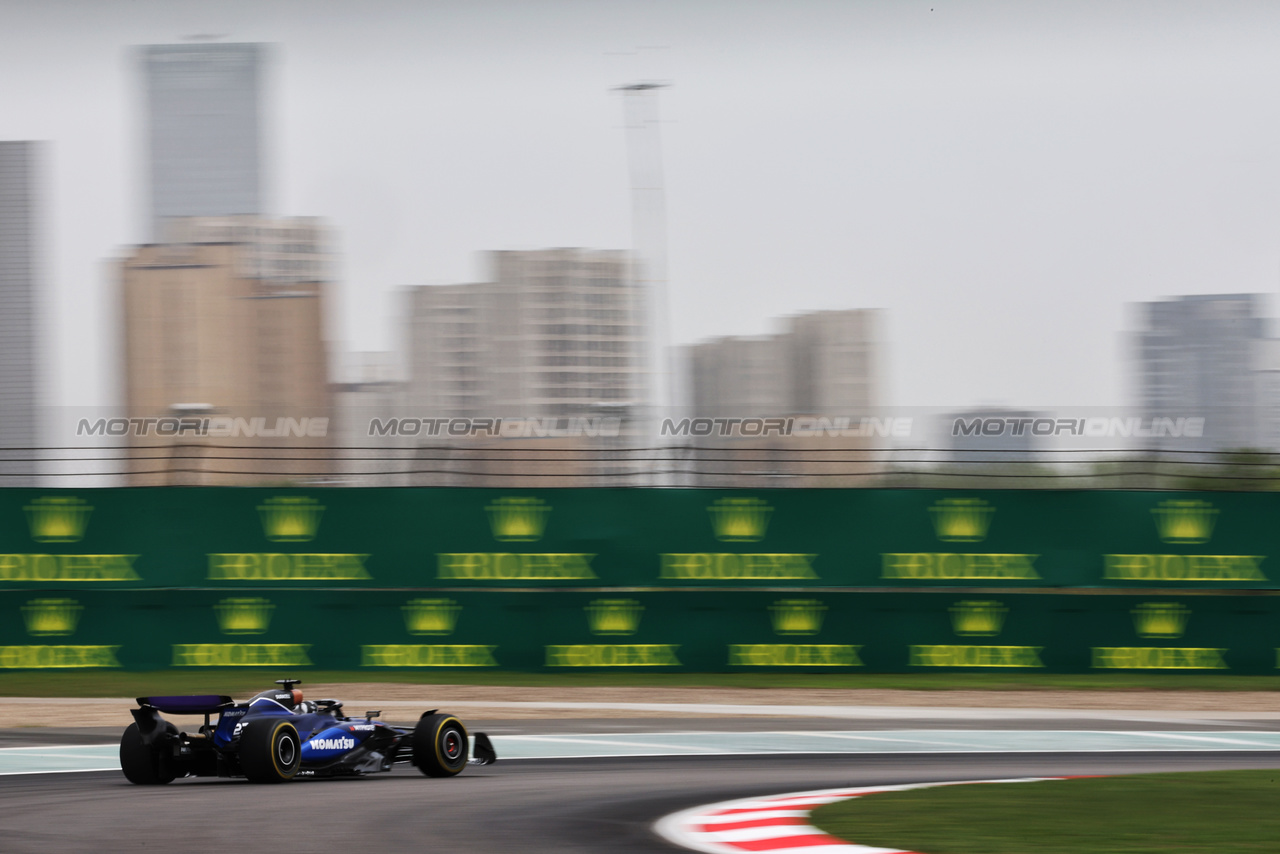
x=248, y=616
x=740, y=520
x=614, y=616
x=797, y=616
x=430, y=616
x=51, y=616
x=1185, y=521
x=290, y=518
x=961, y=520
x=1160, y=620
x=58, y=520
x=978, y=619
x=518, y=520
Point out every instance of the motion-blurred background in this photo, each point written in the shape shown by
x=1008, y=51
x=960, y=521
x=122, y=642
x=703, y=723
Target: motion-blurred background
x=710, y=244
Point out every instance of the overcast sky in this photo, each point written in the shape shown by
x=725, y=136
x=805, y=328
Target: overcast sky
x=1000, y=177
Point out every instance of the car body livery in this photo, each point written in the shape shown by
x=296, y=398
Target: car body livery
x=277, y=736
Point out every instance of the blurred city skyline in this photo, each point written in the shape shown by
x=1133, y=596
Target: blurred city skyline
x=1000, y=178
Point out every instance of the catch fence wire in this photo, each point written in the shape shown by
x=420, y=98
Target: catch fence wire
x=710, y=465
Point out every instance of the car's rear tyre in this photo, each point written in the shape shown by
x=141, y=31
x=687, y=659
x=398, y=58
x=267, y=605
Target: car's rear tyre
x=270, y=751
x=145, y=764
x=440, y=745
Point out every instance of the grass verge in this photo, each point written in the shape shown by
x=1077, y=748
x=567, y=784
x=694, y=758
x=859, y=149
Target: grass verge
x=239, y=680
x=1196, y=813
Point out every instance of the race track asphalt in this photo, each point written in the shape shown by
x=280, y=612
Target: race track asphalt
x=592, y=805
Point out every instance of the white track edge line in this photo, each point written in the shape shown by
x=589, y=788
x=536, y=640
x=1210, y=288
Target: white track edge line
x=795, y=753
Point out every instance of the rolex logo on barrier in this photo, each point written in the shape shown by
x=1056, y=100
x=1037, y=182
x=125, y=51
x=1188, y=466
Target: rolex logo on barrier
x=737, y=520
x=961, y=520
x=290, y=518
x=1160, y=619
x=57, y=519
x=797, y=616
x=1187, y=522
x=244, y=616
x=978, y=619
x=518, y=519
x=740, y=520
x=614, y=616
x=430, y=616
x=50, y=617
x=63, y=519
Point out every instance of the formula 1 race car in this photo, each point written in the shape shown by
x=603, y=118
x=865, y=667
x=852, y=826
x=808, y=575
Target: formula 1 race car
x=277, y=736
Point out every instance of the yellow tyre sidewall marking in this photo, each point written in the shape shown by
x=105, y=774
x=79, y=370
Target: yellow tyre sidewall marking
x=275, y=754
x=436, y=738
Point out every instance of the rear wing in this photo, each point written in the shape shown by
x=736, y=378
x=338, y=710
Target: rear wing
x=193, y=704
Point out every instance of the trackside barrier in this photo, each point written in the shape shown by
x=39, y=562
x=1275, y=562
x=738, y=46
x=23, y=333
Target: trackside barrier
x=669, y=579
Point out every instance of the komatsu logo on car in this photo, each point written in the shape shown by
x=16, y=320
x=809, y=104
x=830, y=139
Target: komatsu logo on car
x=331, y=743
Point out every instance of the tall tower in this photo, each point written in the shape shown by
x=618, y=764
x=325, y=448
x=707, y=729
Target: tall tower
x=204, y=111
x=19, y=245
x=649, y=237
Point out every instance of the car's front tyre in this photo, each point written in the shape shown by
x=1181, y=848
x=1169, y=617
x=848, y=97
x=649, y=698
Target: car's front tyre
x=270, y=751
x=145, y=764
x=440, y=745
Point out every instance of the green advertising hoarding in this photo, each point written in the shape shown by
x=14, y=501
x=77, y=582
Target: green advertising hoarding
x=677, y=538
x=703, y=580
x=698, y=630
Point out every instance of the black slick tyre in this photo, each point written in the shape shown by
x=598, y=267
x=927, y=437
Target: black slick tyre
x=270, y=751
x=440, y=745
x=143, y=764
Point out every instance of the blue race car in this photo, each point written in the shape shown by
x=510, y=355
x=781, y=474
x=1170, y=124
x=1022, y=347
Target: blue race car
x=278, y=736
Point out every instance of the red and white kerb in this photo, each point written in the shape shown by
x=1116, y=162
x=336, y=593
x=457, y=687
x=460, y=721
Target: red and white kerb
x=780, y=823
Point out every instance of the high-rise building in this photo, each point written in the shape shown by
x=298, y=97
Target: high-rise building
x=555, y=337
x=823, y=363
x=1197, y=357
x=1267, y=377
x=740, y=375
x=555, y=333
x=448, y=353
x=366, y=387
x=205, y=130
x=836, y=361
x=241, y=356
x=275, y=251
x=19, y=272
